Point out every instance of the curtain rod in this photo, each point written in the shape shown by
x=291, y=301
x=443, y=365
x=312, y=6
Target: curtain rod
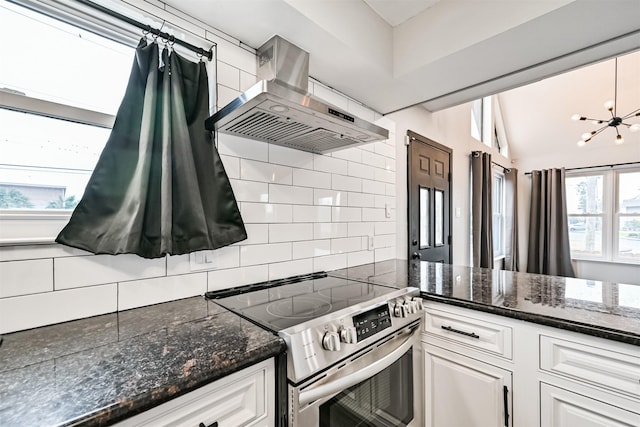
x=145, y=27
x=477, y=153
x=594, y=167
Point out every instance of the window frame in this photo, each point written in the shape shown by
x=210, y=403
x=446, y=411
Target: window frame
x=498, y=174
x=610, y=214
x=41, y=226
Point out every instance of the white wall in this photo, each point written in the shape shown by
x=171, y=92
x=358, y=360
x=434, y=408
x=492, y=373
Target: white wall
x=303, y=213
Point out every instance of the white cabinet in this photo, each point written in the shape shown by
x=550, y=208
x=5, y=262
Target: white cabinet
x=460, y=391
x=563, y=408
x=244, y=398
x=554, y=377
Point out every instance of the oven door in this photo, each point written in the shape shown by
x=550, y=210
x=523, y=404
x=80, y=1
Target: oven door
x=379, y=387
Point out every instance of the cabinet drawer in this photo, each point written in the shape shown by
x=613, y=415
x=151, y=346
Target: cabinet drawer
x=241, y=399
x=480, y=334
x=562, y=408
x=616, y=371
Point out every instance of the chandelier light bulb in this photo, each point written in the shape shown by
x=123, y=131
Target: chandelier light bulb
x=597, y=122
x=609, y=105
x=575, y=117
x=619, y=139
x=581, y=143
x=634, y=128
x=585, y=136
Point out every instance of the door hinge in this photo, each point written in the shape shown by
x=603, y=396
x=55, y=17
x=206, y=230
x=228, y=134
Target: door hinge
x=448, y=176
x=407, y=140
x=449, y=239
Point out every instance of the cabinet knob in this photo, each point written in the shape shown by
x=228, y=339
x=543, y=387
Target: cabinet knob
x=416, y=255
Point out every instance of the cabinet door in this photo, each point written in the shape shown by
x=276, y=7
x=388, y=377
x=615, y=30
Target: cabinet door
x=562, y=408
x=460, y=391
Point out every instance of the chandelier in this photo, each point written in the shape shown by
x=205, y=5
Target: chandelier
x=613, y=122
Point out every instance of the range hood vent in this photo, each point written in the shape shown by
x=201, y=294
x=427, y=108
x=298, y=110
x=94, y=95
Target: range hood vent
x=279, y=110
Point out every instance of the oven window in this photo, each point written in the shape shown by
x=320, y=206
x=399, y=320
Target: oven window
x=385, y=400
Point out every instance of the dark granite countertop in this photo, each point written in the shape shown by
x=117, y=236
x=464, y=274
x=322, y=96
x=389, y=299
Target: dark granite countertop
x=100, y=370
x=603, y=309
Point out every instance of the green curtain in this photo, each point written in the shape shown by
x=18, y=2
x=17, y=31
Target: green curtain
x=159, y=186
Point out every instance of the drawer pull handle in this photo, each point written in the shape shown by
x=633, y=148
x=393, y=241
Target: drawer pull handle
x=505, y=395
x=213, y=424
x=458, y=331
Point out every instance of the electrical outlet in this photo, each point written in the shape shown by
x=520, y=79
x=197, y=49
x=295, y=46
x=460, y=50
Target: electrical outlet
x=387, y=210
x=370, y=243
x=202, y=260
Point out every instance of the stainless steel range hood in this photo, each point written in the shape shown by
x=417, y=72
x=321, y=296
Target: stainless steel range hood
x=279, y=110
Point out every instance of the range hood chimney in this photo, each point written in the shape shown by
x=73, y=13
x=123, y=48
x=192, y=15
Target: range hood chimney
x=279, y=110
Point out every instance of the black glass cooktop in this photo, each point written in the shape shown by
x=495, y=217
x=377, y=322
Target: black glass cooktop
x=281, y=304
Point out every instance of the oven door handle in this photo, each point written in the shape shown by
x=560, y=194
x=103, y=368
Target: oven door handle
x=354, y=378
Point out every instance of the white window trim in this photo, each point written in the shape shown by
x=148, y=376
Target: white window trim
x=498, y=172
x=610, y=215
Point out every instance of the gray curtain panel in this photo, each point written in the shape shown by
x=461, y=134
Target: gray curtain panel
x=549, y=251
x=481, y=210
x=159, y=186
x=512, y=254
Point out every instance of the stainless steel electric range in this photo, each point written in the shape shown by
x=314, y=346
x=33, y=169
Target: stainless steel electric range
x=353, y=357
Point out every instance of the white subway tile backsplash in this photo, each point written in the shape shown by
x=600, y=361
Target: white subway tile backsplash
x=361, y=200
x=361, y=111
x=256, y=234
x=228, y=75
x=385, y=176
x=238, y=57
x=348, y=244
x=309, y=178
x=312, y=248
x=250, y=191
x=360, y=229
x=226, y=95
x=382, y=201
x=139, y=293
x=74, y=272
x=246, y=80
x=26, y=277
x=290, y=157
x=280, y=270
x=385, y=241
x=178, y=264
x=265, y=172
x=387, y=150
x=345, y=214
x=385, y=227
x=329, y=230
x=311, y=213
x=373, y=187
x=329, y=164
x=359, y=258
x=331, y=262
x=384, y=254
x=290, y=194
x=373, y=214
x=264, y=254
x=223, y=279
x=346, y=183
x=231, y=166
x=353, y=154
x=373, y=159
x=30, y=311
x=290, y=232
x=54, y=250
x=324, y=197
x=361, y=171
x=232, y=145
x=390, y=189
x=265, y=212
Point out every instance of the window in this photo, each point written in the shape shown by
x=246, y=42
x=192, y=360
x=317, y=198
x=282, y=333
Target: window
x=498, y=215
x=61, y=87
x=604, y=215
x=482, y=121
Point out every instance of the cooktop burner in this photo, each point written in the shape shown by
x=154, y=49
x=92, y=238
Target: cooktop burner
x=281, y=304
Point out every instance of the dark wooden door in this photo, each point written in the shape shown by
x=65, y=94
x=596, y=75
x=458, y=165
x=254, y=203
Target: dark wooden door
x=429, y=195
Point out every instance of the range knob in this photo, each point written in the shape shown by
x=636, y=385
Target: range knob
x=419, y=303
x=348, y=335
x=401, y=309
x=331, y=341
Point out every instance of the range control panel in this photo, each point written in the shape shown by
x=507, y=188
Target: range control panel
x=372, y=322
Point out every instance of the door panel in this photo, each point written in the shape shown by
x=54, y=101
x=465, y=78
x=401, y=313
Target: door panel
x=429, y=198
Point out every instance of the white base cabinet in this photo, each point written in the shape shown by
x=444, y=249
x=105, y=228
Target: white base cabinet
x=244, y=398
x=554, y=377
x=460, y=391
